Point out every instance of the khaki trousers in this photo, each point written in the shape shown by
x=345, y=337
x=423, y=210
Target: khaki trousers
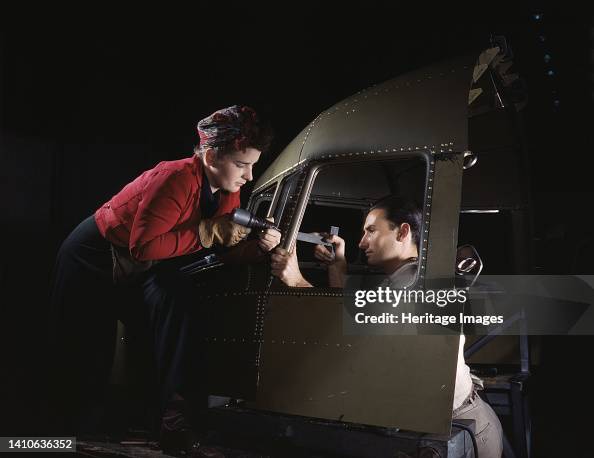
x=489, y=434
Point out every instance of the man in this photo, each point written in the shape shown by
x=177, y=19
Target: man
x=390, y=240
x=174, y=209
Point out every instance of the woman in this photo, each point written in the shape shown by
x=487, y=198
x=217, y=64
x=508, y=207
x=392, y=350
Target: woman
x=174, y=209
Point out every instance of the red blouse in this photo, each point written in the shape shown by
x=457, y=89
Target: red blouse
x=157, y=214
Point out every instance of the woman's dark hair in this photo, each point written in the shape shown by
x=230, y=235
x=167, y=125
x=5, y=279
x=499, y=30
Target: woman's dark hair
x=260, y=136
x=400, y=210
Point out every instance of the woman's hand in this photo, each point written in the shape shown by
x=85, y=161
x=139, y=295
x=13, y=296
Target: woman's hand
x=269, y=239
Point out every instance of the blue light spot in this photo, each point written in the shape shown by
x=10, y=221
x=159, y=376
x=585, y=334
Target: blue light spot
x=550, y=73
x=547, y=58
x=537, y=17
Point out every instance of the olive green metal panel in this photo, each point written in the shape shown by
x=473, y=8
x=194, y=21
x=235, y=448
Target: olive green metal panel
x=228, y=311
x=442, y=227
x=424, y=109
x=420, y=109
x=288, y=158
x=308, y=367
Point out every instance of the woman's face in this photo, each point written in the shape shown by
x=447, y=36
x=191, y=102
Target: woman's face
x=231, y=171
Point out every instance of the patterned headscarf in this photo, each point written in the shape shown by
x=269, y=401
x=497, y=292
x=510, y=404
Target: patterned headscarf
x=226, y=127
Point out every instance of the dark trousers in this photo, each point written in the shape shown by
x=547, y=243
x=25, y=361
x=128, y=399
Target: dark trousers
x=85, y=307
x=176, y=325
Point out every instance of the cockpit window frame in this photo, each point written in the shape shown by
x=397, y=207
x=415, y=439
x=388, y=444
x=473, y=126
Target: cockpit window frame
x=313, y=169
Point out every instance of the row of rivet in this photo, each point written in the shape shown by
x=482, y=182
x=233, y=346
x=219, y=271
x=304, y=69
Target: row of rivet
x=432, y=148
x=392, y=86
x=249, y=277
x=280, y=342
x=311, y=126
x=429, y=194
x=379, y=151
x=259, y=333
x=259, y=316
x=271, y=293
x=443, y=147
x=294, y=342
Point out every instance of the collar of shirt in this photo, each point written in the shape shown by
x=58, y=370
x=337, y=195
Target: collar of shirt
x=209, y=202
x=404, y=276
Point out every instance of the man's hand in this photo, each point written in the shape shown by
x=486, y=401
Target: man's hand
x=221, y=230
x=337, y=265
x=324, y=255
x=268, y=239
x=286, y=267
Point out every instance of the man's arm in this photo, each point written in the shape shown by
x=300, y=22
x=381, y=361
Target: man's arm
x=286, y=267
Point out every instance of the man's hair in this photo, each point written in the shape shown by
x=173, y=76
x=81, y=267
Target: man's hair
x=258, y=135
x=400, y=210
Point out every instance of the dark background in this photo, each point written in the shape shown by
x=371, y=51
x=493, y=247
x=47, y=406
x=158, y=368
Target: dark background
x=88, y=102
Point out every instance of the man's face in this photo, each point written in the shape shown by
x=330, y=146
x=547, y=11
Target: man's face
x=231, y=171
x=380, y=241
